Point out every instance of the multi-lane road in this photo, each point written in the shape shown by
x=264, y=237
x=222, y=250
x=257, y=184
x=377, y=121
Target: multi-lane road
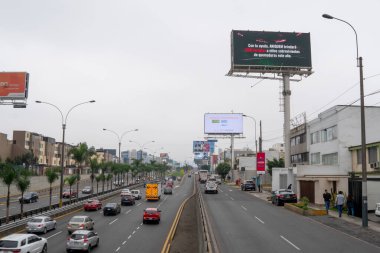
x=125, y=231
x=244, y=223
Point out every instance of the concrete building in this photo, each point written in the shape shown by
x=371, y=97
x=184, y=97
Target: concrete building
x=330, y=137
x=5, y=147
x=299, y=153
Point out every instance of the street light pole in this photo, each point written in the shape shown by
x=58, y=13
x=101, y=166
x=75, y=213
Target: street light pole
x=119, y=137
x=362, y=125
x=64, y=121
x=244, y=115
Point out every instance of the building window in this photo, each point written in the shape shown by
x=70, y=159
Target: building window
x=293, y=141
x=315, y=158
x=331, y=133
x=315, y=137
x=330, y=159
x=359, y=156
x=372, y=155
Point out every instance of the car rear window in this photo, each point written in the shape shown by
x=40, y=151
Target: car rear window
x=286, y=192
x=111, y=205
x=8, y=244
x=150, y=211
x=74, y=219
x=77, y=236
x=36, y=220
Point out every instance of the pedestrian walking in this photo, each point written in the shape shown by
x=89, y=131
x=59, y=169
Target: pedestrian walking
x=339, y=202
x=327, y=198
x=350, y=205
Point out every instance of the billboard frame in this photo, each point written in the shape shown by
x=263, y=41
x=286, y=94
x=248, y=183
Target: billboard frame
x=229, y=134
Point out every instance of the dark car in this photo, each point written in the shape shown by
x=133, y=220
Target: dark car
x=69, y=194
x=248, y=185
x=111, y=208
x=280, y=197
x=127, y=200
x=29, y=197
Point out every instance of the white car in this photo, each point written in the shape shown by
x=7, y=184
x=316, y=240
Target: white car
x=211, y=187
x=40, y=224
x=377, y=210
x=23, y=243
x=125, y=192
x=136, y=194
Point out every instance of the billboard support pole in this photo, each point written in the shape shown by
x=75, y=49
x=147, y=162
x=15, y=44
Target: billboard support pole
x=232, y=157
x=286, y=93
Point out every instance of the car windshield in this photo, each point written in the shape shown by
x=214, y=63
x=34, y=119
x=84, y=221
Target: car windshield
x=77, y=236
x=36, y=220
x=77, y=219
x=27, y=194
x=249, y=182
x=8, y=244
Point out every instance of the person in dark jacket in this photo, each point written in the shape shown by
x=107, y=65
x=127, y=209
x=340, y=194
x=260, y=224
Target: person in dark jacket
x=327, y=198
x=350, y=205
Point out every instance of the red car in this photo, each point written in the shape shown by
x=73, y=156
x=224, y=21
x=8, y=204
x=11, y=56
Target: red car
x=92, y=204
x=68, y=194
x=152, y=214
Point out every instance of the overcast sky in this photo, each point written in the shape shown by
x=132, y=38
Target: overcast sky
x=160, y=65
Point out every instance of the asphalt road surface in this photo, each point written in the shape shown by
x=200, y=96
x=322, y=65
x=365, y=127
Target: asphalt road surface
x=125, y=231
x=243, y=223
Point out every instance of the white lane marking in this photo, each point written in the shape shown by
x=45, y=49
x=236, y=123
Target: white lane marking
x=138, y=227
x=257, y=218
x=245, y=209
x=113, y=221
x=101, y=212
x=129, y=237
x=117, y=249
x=124, y=242
x=231, y=198
x=140, y=224
x=286, y=240
x=230, y=190
x=220, y=190
x=54, y=235
x=176, y=186
x=127, y=212
x=134, y=231
x=138, y=204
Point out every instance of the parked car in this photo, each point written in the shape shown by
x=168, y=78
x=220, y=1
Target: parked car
x=111, y=208
x=248, y=185
x=168, y=190
x=151, y=215
x=69, y=194
x=127, y=200
x=80, y=223
x=23, y=243
x=29, y=197
x=87, y=190
x=40, y=224
x=377, y=210
x=83, y=240
x=136, y=194
x=92, y=204
x=282, y=196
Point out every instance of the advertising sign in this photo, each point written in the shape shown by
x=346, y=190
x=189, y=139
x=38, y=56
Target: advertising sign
x=164, y=155
x=260, y=163
x=201, y=156
x=223, y=123
x=14, y=85
x=201, y=146
x=270, y=49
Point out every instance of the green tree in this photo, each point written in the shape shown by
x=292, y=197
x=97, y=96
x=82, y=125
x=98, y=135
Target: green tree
x=103, y=178
x=81, y=154
x=136, y=167
x=70, y=180
x=22, y=184
x=51, y=176
x=8, y=176
x=108, y=179
x=94, y=166
x=275, y=164
x=223, y=169
x=98, y=178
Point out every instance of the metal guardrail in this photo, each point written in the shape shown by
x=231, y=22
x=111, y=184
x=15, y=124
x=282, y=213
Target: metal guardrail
x=18, y=223
x=209, y=238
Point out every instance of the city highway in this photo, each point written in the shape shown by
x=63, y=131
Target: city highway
x=125, y=231
x=244, y=223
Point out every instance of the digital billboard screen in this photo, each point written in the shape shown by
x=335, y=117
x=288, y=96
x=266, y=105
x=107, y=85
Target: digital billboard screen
x=270, y=49
x=223, y=123
x=14, y=85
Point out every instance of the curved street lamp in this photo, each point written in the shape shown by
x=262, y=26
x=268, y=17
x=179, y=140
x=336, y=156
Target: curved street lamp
x=362, y=128
x=120, y=137
x=247, y=116
x=64, y=121
x=142, y=145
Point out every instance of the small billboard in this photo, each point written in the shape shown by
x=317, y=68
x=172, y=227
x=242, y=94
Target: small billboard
x=260, y=163
x=223, y=123
x=14, y=85
x=270, y=50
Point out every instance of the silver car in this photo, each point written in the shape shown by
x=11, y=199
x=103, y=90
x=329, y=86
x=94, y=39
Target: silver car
x=80, y=223
x=40, y=224
x=82, y=240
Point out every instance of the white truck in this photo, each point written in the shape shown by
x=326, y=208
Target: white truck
x=203, y=176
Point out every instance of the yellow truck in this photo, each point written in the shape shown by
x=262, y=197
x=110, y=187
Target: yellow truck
x=153, y=191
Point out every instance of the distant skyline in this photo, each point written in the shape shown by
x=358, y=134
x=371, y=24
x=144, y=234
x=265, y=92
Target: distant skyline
x=159, y=66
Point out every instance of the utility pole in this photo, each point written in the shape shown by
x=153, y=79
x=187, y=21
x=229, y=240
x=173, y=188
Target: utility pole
x=260, y=140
